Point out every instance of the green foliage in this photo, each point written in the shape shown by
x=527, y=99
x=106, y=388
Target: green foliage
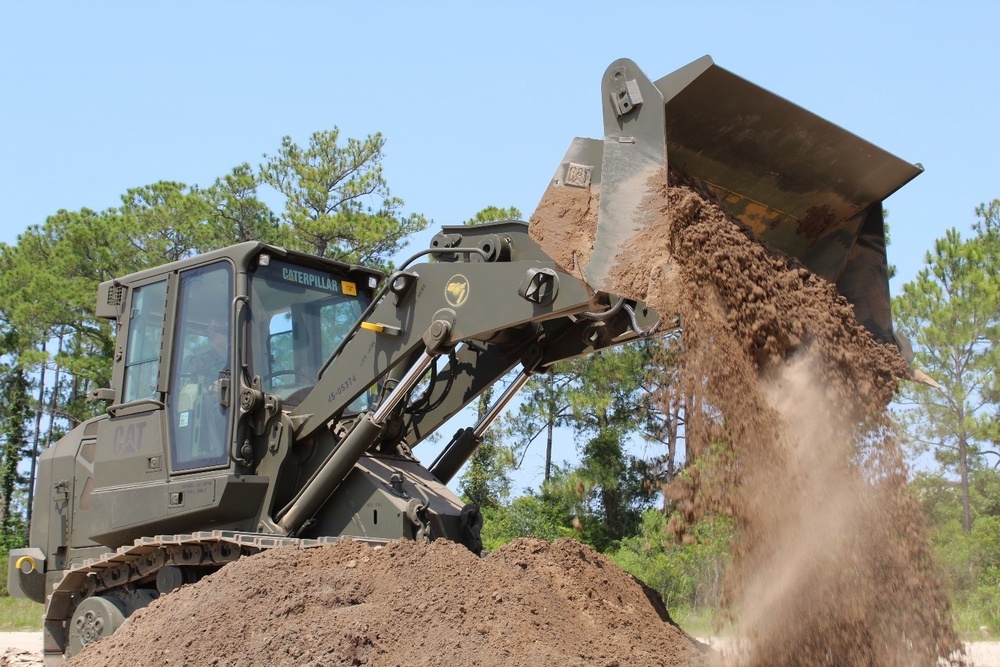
x=48, y=283
x=951, y=312
x=486, y=481
x=970, y=560
x=19, y=615
x=685, y=573
x=237, y=214
x=603, y=400
x=164, y=221
x=607, y=492
x=337, y=202
x=545, y=515
x=608, y=404
x=494, y=214
x=13, y=445
x=543, y=409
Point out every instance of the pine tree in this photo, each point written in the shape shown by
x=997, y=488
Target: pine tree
x=14, y=388
x=951, y=313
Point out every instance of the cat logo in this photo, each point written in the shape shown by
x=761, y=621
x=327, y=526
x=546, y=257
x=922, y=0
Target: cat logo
x=457, y=290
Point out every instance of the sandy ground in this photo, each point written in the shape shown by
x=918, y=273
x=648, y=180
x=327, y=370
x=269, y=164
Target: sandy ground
x=983, y=654
x=21, y=641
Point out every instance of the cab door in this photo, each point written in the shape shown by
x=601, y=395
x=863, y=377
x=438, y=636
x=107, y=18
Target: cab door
x=128, y=457
x=198, y=402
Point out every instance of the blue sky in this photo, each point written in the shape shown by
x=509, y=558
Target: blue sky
x=478, y=101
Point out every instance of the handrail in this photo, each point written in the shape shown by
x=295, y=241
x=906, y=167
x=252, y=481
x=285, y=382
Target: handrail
x=113, y=410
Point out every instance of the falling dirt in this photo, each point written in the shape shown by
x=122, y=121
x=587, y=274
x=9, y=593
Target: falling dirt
x=787, y=426
x=408, y=603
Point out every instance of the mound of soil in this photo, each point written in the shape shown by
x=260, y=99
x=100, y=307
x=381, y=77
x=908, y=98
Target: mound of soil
x=13, y=657
x=408, y=603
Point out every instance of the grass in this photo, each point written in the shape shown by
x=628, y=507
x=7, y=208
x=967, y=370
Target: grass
x=697, y=622
x=19, y=615
x=975, y=623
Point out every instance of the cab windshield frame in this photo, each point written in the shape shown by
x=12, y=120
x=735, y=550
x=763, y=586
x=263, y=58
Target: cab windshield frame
x=299, y=313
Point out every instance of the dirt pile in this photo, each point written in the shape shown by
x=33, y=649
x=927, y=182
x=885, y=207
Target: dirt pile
x=12, y=657
x=409, y=603
x=786, y=419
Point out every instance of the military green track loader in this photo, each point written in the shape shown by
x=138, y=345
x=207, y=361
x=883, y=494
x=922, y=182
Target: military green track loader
x=264, y=398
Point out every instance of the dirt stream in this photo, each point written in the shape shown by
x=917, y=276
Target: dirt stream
x=786, y=425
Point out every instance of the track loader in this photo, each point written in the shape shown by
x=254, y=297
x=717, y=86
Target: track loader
x=264, y=398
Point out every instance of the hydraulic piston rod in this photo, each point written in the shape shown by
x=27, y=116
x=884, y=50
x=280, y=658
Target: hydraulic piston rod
x=333, y=471
x=467, y=440
x=402, y=389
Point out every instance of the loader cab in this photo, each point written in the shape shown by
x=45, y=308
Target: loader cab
x=188, y=330
x=190, y=335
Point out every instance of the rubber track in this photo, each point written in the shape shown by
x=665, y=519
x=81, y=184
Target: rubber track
x=144, y=558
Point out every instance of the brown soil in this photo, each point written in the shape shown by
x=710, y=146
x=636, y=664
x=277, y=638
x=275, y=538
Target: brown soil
x=786, y=426
x=11, y=657
x=409, y=603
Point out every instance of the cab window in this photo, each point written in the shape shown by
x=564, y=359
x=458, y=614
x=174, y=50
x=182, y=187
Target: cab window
x=299, y=314
x=145, y=333
x=198, y=404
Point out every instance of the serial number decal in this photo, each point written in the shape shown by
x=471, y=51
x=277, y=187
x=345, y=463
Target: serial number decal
x=341, y=388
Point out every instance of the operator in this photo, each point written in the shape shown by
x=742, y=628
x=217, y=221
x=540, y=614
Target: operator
x=212, y=364
x=202, y=411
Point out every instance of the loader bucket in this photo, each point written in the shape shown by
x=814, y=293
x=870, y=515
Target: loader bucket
x=802, y=184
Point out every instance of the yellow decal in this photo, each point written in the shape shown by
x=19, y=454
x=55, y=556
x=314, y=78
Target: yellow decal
x=349, y=288
x=25, y=560
x=457, y=290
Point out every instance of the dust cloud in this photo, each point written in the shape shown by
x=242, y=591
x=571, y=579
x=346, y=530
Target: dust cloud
x=786, y=421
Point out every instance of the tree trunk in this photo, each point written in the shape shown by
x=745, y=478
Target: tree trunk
x=34, y=447
x=549, y=429
x=963, y=470
x=54, y=398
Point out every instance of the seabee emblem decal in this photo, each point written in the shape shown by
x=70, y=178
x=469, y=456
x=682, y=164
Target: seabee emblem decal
x=457, y=290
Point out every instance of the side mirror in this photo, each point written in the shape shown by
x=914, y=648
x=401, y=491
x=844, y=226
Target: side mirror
x=103, y=394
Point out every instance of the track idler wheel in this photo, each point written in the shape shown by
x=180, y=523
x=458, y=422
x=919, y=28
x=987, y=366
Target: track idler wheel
x=96, y=617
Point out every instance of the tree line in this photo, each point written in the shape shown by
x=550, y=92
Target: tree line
x=335, y=202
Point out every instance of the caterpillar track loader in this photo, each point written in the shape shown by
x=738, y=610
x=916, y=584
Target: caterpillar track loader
x=264, y=398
